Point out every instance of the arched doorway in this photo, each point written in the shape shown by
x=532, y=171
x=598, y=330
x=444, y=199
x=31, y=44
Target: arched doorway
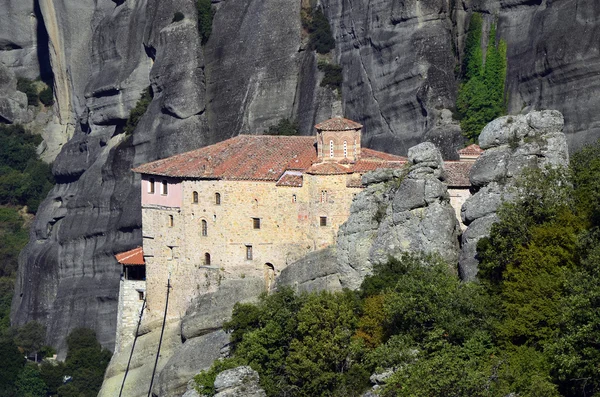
x=269, y=273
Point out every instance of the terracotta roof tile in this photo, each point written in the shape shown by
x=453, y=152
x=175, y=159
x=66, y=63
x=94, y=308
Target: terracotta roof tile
x=338, y=124
x=457, y=173
x=245, y=157
x=131, y=257
x=471, y=150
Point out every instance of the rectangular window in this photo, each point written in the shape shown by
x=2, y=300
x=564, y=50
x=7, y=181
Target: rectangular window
x=151, y=186
x=249, y=252
x=165, y=188
x=256, y=223
x=140, y=295
x=323, y=221
x=171, y=221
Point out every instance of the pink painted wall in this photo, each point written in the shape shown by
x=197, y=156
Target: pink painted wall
x=173, y=198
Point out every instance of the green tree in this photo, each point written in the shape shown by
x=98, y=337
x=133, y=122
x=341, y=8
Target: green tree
x=28, y=87
x=206, y=14
x=30, y=337
x=47, y=96
x=481, y=93
x=30, y=383
x=11, y=366
x=138, y=111
x=320, y=36
x=283, y=127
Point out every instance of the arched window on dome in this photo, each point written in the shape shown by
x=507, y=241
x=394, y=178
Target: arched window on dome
x=330, y=148
x=345, y=149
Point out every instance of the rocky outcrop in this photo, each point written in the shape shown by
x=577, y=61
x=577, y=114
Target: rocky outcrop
x=238, y=382
x=512, y=144
x=13, y=103
x=400, y=213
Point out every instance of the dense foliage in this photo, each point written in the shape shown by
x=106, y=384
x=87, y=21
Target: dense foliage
x=481, y=95
x=206, y=14
x=333, y=75
x=24, y=178
x=320, y=35
x=284, y=127
x=530, y=326
x=28, y=87
x=80, y=375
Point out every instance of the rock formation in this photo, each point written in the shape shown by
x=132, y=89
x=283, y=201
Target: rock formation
x=13, y=103
x=238, y=382
x=512, y=144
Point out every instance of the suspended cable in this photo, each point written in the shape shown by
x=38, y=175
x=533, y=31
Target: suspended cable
x=133, y=346
x=161, y=335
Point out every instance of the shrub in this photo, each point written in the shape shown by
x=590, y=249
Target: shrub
x=138, y=111
x=47, y=96
x=333, y=75
x=283, y=127
x=320, y=39
x=178, y=16
x=205, y=19
x=27, y=86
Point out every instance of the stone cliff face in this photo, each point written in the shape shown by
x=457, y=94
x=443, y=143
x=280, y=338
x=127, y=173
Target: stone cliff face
x=512, y=144
x=398, y=62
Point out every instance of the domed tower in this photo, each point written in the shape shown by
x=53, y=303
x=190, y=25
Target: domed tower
x=338, y=139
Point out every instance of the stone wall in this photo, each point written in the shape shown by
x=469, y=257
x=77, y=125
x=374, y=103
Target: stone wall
x=128, y=312
x=289, y=229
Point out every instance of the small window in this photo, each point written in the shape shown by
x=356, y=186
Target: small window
x=207, y=259
x=171, y=221
x=294, y=198
x=204, y=228
x=151, y=186
x=218, y=198
x=345, y=149
x=165, y=188
x=330, y=148
x=195, y=197
x=141, y=295
x=323, y=221
x=249, y=252
x=256, y=223
x=323, y=196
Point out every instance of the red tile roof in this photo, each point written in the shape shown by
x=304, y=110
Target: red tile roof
x=245, y=157
x=338, y=124
x=131, y=257
x=457, y=173
x=471, y=150
x=263, y=158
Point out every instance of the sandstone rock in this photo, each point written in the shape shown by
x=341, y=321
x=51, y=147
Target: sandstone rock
x=388, y=219
x=209, y=311
x=187, y=360
x=514, y=144
x=238, y=382
x=317, y=271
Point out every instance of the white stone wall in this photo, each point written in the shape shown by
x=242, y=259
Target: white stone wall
x=129, y=309
x=457, y=199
